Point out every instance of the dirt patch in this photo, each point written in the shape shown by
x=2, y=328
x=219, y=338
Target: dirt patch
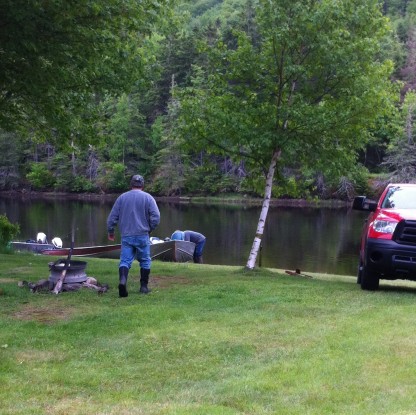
x=161, y=281
x=6, y=280
x=38, y=356
x=41, y=314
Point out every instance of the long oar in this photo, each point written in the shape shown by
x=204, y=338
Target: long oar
x=59, y=283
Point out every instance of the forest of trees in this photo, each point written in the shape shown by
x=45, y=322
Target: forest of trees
x=301, y=98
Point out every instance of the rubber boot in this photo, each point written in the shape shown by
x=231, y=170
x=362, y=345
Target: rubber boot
x=144, y=280
x=198, y=260
x=123, y=273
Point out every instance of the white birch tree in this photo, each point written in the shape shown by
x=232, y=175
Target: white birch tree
x=305, y=88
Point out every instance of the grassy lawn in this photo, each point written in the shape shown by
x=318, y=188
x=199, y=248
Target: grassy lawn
x=208, y=340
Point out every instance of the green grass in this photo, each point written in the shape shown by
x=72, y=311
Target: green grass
x=208, y=340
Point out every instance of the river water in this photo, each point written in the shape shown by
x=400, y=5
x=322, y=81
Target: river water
x=310, y=239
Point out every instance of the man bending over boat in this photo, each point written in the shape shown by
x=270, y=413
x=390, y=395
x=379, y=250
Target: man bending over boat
x=136, y=214
x=191, y=236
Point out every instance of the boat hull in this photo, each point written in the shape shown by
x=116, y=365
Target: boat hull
x=98, y=251
x=170, y=251
x=173, y=251
x=34, y=247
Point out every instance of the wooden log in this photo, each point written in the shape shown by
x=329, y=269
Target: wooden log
x=58, y=286
x=298, y=273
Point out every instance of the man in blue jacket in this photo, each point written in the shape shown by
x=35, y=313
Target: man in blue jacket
x=197, y=238
x=136, y=214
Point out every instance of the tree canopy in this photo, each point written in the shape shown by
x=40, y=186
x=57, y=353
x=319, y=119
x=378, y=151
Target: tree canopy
x=55, y=54
x=309, y=83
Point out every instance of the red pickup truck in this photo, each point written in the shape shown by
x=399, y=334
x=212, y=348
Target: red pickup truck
x=388, y=239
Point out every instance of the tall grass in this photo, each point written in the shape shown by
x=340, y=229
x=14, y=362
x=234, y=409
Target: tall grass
x=207, y=340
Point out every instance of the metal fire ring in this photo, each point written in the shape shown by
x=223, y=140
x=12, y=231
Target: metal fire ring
x=75, y=272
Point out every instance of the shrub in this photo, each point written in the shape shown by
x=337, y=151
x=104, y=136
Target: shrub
x=40, y=177
x=112, y=178
x=81, y=184
x=8, y=232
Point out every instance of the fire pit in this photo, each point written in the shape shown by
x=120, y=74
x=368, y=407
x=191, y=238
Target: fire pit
x=74, y=274
x=75, y=279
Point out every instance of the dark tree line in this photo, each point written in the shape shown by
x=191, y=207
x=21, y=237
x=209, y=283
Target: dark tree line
x=110, y=107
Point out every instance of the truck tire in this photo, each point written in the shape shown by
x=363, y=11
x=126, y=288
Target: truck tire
x=359, y=272
x=369, y=279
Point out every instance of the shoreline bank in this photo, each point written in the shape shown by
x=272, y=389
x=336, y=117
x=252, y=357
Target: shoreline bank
x=232, y=200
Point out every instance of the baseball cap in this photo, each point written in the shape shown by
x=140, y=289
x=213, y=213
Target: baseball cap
x=137, y=181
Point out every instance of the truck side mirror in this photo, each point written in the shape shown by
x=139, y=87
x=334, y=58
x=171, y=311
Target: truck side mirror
x=362, y=203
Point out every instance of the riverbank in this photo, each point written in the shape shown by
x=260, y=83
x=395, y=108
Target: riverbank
x=212, y=200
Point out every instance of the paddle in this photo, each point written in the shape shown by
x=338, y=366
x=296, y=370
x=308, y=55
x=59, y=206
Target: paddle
x=59, y=283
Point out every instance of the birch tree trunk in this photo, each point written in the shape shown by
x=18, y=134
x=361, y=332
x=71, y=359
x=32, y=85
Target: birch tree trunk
x=263, y=214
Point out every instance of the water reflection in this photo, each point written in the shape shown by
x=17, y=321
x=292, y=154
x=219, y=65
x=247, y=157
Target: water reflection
x=314, y=240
